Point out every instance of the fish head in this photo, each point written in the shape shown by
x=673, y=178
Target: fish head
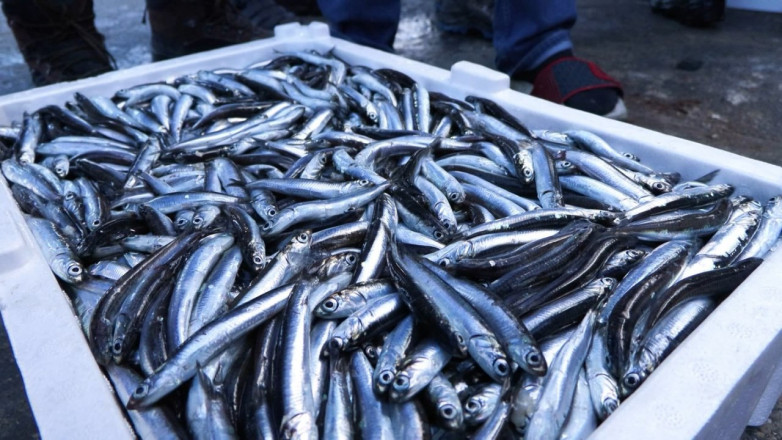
x=383, y=379
x=661, y=186
x=450, y=415
x=488, y=354
x=72, y=270
x=330, y=305
x=637, y=372
x=473, y=407
x=606, y=284
x=258, y=259
x=400, y=387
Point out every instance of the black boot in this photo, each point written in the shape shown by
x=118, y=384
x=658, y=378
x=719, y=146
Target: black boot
x=181, y=27
x=694, y=13
x=58, y=40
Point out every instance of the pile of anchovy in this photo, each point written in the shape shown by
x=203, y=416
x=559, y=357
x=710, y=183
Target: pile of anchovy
x=310, y=249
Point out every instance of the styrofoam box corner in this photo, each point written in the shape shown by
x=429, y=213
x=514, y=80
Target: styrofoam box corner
x=711, y=387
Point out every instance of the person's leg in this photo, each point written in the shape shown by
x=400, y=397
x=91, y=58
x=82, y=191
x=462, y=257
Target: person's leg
x=58, y=39
x=181, y=27
x=528, y=32
x=371, y=23
x=532, y=40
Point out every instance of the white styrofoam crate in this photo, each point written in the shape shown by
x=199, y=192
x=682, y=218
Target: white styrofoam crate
x=723, y=377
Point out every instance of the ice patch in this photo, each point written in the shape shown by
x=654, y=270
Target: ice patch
x=736, y=97
x=134, y=56
x=9, y=59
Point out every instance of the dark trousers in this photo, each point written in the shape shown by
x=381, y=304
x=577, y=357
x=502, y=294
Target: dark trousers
x=526, y=32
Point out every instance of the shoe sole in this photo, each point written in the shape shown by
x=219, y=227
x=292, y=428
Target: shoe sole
x=619, y=112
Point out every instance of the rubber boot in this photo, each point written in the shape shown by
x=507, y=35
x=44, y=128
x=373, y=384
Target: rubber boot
x=58, y=39
x=182, y=27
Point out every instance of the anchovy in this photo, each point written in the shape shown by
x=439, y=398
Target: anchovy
x=417, y=369
x=298, y=406
x=373, y=418
x=56, y=250
x=150, y=422
x=512, y=333
x=481, y=404
x=767, y=234
x=366, y=322
x=206, y=343
x=457, y=322
x=661, y=339
x=186, y=289
x=560, y=383
x=442, y=395
x=338, y=421
x=582, y=419
x=394, y=349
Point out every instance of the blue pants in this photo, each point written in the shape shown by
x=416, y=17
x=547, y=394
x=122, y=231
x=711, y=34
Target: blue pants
x=526, y=32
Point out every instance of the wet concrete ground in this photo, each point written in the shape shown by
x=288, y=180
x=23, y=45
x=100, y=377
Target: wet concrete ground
x=720, y=86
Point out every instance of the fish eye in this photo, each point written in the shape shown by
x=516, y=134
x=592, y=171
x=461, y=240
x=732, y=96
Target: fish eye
x=70, y=196
x=271, y=212
x=336, y=344
x=258, y=260
x=472, y=406
x=610, y=405
x=363, y=182
x=527, y=172
x=74, y=270
x=116, y=348
x=386, y=377
x=534, y=359
x=632, y=380
x=453, y=196
x=444, y=262
x=330, y=304
x=438, y=235
x=401, y=383
x=303, y=237
x=141, y=390
x=351, y=259
x=197, y=220
x=448, y=411
x=96, y=223
x=501, y=367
